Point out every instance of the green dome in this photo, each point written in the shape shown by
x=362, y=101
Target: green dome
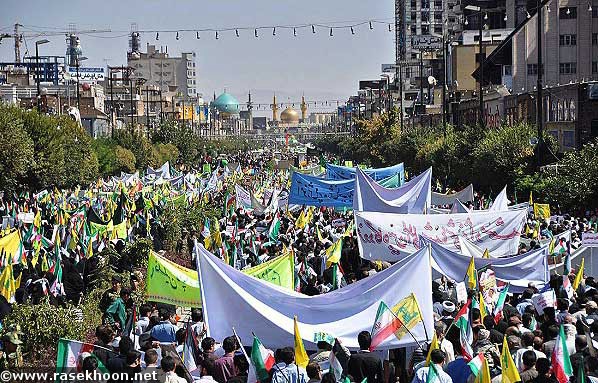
x=226, y=103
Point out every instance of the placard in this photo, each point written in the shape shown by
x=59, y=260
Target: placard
x=461, y=292
x=543, y=300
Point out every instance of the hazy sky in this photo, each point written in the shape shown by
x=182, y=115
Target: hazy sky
x=318, y=65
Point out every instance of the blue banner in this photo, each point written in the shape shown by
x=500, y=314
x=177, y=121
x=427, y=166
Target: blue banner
x=314, y=191
x=337, y=172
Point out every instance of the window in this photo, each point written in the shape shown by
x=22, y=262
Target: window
x=425, y=3
x=568, y=68
x=413, y=4
x=566, y=13
x=566, y=40
x=425, y=29
x=594, y=67
x=438, y=16
x=425, y=16
x=594, y=12
x=569, y=138
x=413, y=29
x=438, y=29
x=507, y=70
x=413, y=15
x=438, y=4
x=532, y=69
x=594, y=38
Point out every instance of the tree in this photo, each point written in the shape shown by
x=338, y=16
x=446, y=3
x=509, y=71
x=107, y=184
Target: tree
x=124, y=160
x=16, y=151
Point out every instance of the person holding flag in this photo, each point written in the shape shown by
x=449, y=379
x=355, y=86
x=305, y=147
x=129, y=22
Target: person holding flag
x=434, y=373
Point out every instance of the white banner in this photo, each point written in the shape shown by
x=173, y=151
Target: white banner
x=543, y=300
x=390, y=237
x=413, y=197
x=465, y=195
x=589, y=239
x=243, y=197
x=233, y=299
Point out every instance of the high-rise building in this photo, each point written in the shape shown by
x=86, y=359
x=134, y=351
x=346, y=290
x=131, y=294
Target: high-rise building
x=169, y=74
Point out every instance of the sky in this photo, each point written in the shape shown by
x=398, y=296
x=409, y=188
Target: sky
x=316, y=65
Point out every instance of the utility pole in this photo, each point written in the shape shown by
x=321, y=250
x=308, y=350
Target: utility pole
x=445, y=42
x=481, y=56
x=421, y=81
x=17, y=37
x=539, y=96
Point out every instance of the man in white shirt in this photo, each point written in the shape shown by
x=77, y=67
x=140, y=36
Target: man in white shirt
x=445, y=345
x=145, y=311
x=527, y=344
x=437, y=359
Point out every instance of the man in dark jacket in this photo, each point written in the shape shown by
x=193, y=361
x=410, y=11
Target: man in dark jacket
x=364, y=363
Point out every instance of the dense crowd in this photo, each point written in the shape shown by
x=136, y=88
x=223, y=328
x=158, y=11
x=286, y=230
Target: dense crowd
x=155, y=336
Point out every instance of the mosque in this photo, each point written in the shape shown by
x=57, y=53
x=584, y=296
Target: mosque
x=226, y=116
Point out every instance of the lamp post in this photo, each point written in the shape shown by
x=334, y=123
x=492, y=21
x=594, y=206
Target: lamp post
x=78, y=62
x=539, y=96
x=37, y=74
x=478, y=10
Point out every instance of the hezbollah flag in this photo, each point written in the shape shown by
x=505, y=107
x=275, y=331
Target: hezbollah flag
x=408, y=312
x=301, y=358
x=7, y=284
x=433, y=346
x=471, y=276
x=579, y=276
x=542, y=210
x=509, y=371
x=333, y=253
x=10, y=248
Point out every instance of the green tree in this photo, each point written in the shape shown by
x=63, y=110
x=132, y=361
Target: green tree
x=124, y=160
x=16, y=151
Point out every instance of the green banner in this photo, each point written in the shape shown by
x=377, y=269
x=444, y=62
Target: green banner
x=168, y=282
x=279, y=271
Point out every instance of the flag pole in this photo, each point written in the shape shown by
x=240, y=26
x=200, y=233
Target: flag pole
x=241, y=344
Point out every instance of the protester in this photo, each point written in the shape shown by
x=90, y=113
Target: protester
x=224, y=367
x=365, y=364
x=437, y=359
x=165, y=331
x=285, y=370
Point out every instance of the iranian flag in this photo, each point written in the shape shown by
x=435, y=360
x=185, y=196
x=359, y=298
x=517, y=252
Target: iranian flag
x=260, y=363
x=476, y=363
x=385, y=325
x=500, y=303
x=465, y=332
x=274, y=228
x=71, y=354
x=561, y=364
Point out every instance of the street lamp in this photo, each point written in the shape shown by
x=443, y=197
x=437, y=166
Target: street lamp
x=37, y=74
x=78, y=62
x=478, y=10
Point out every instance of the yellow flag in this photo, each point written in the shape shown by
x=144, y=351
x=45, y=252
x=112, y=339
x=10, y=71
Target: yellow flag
x=89, y=248
x=484, y=374
x=301, y=358
x=10, y=246
x=37, y=221
x=7, y=283
x=531, y=200
x=320, y=238
x=407, y=310
x=542, y=210
x=483, y=309
x=333, y=253
x=579, y=275
x=301, y=220
x=433, y=346
x=509, y=371
x=472, y=280
x=486, y=254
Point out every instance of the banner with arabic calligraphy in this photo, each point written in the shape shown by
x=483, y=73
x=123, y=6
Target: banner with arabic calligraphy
x=391, y=237
x=168, y=282
x=314, y=191
x=279, y=271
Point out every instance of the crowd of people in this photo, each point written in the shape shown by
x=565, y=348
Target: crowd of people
x=156, y=337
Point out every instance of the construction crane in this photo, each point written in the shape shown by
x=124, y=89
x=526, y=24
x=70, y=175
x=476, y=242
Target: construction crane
x=18, y=36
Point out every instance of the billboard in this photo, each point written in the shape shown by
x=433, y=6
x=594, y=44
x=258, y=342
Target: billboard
x=426, y=42
x=87, y=74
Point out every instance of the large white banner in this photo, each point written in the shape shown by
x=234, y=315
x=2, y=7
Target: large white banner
x=413, y=197
x=390, y=237
x=243, y=197
x=233, y=299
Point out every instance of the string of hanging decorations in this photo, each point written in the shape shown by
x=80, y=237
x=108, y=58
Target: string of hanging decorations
x=295, y=30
